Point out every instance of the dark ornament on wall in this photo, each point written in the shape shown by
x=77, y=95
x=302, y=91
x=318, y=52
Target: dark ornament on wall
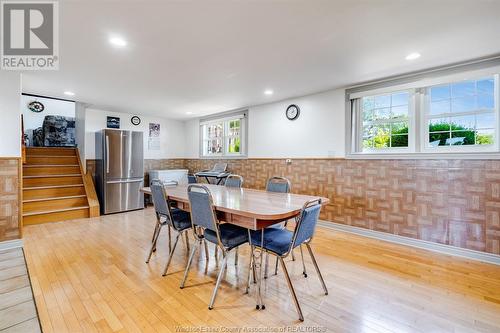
x=36, y=106
x=113, y=122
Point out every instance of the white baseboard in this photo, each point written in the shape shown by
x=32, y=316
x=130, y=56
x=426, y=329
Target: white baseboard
x=436, y=247
x=11, y=244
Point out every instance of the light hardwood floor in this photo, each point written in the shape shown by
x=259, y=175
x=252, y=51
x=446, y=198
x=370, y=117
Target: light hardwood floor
x=90, y=275
x=17, y=308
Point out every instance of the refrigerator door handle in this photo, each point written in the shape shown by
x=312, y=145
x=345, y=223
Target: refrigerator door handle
x=107, y=154
x=124, y=181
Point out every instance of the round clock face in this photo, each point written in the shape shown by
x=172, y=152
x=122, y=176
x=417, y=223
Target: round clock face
x=135, y=120
x=292, y=112
x=36, y=106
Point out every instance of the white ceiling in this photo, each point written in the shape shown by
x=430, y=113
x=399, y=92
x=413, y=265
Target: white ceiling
x=211, y=56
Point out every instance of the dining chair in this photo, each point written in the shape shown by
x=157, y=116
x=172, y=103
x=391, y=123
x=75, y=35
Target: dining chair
x=234, y=181
x=281, y=242
x=226, y=236
x=237, y=182
x=166, y=215
x=192, y=179
x=280, y=185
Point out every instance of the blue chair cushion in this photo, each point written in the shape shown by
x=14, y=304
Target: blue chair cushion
x=231, y=235
x=182, y=219
x=275, y=240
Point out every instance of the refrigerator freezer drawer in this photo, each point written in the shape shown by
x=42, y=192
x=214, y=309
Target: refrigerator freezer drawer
x=123, y=195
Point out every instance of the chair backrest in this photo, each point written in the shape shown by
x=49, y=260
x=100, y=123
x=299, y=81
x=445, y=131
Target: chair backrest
x=202, y=208
x=192, y=179
x=278, y=184
x=160, y=200
x=219, y=167
x=304, y=230
x=234, y=181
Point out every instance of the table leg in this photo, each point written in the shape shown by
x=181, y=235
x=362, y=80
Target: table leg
x=256, y=259
x=261, y=271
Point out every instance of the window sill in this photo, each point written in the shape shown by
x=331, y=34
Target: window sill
x=426, y=156
x=223, y=157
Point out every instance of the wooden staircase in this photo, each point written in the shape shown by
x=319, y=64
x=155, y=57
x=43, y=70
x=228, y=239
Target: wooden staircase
x=55, y=187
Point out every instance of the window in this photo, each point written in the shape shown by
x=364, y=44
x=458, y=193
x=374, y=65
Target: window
x=223, y=137
x=385, y=121
x=433, y=116
x=461, y=114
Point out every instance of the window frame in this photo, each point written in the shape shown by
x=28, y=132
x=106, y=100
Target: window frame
x=424, y=118
x=225, y=121
x=411, y=127
x=418, y=148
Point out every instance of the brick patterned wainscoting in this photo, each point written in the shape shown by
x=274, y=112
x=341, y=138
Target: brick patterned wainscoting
x=149, y=164
x=453, y=202
x=10, y=217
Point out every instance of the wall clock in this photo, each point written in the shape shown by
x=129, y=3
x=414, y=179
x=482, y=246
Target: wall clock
x=135, y=120
x=292, y=112
x=36, y=106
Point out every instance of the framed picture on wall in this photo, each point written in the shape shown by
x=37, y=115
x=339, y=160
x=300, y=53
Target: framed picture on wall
x=113, y=122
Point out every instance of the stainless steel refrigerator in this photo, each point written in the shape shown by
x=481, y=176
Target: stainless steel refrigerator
x=119, y=171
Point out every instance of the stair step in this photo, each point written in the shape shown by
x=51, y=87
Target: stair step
x=51, y=160
x=51, y=187
x=50, y=204
x=49, y=151
x=41, y=192
x=56, y=215
x=49, y=165
x=52, y=180
x=55, y=198
x=51, y=170
x=54, y=175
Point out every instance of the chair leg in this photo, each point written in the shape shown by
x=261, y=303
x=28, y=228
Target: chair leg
x=293, y=256
x=303, y=262
x=292, y=291
x=276, y=267
x=169, y=239
x=236, y=257
x=154, y=233
x=216, y=254
x=317, y=268
x=267, y=265
x=250, y=269
x=155, y=239
x=206, y=249
x=187, y=241
x=171, y=254
x=219, y=279
x=193, y=251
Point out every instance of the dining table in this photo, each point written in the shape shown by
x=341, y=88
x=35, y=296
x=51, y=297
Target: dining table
x=252, y=209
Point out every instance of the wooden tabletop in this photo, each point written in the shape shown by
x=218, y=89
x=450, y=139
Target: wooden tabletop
x=256, y=204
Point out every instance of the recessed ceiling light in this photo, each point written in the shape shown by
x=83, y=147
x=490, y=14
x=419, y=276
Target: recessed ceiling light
x=118, y=41
x=189, y=112
x=69, y=93
x=413, y=56
x=268, y=92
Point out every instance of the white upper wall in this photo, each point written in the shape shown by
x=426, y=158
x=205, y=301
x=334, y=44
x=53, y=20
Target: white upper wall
x=318, y=132
x=171, y=133
x=192, y=138
x=10, y=114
